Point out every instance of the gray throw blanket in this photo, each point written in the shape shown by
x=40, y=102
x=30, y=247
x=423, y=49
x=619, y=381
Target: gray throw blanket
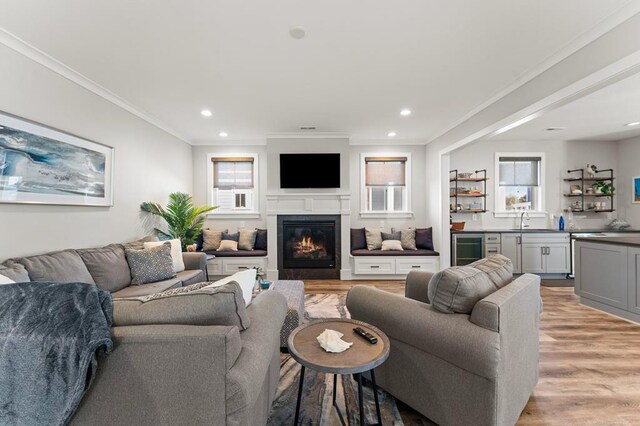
x=50, y=334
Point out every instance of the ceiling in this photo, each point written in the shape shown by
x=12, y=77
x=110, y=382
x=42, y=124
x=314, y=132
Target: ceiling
x=359, y=65
x=601, y=115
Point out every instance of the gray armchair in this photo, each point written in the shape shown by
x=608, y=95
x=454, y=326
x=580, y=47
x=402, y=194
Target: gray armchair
x=457, y=369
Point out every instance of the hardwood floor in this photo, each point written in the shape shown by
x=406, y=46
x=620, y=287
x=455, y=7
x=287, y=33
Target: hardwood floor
x=589, y=360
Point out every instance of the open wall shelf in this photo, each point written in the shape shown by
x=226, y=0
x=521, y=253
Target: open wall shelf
x=458, y=193
x=577, y=177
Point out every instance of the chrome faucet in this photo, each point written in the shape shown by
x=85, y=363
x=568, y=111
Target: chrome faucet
x=522, y=215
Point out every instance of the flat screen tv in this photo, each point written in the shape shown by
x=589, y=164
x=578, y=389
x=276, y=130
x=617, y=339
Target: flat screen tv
x=309, y=170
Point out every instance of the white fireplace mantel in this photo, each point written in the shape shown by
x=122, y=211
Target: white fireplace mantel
x=308, y=204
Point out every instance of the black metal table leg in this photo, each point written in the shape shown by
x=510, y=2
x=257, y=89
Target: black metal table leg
x=375, y=396
x=360, y=400
x=295, y=421
x=335, y=390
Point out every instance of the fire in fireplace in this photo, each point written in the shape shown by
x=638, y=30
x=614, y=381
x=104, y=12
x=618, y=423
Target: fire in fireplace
x=309, y=244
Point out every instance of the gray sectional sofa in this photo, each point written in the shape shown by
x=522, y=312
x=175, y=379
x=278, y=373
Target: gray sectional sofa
x=167, y=374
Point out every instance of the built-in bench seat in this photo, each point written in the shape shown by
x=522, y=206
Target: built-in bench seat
x=230, y=262
x=419, y=252
x=391, y=263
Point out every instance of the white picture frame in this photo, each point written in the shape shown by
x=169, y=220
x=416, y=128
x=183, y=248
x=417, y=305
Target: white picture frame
x=42, y=165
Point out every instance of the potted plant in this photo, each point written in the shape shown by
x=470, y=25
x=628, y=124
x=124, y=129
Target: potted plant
x=184, y=220
x=604, y=188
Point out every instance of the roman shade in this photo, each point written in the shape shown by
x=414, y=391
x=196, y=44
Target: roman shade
x=519, y=171
x=385, y=171
x=232, y=172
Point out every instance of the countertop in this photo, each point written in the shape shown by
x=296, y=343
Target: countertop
x=534, y=230
x=623, y=241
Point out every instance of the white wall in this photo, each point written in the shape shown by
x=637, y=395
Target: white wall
x=149, y=163
x=269, y=181
x=629, y=166
x=560, y=156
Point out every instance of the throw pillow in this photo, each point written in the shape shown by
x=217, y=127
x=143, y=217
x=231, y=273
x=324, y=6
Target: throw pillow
x=150, y=265
x=394, y=235
x=62, y=266
x=408, y=239
x=391, y=245
x=246, y=280
x=358, y=239
x=458, y=289
x=108, y=266
x=5, y=280
x=176, y=252
x=246, y=239
x=424, y=239
x=498, y=268
x=261, y=240
x=139, y=244
x=14, y=271
x=374, y=238
x=192, y=305
x=230, y=237
x=228, y=245
x=211, y=239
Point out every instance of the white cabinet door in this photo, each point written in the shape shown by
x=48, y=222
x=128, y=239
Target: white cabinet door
x=532, y=258
x=510, y=248
x=557, y=259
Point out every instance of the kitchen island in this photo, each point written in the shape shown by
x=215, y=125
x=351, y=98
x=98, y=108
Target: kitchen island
x=608, y=274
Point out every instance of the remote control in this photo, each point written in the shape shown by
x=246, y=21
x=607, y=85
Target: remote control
x=366, y=335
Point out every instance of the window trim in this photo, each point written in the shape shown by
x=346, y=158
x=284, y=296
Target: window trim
x=540, y=211
x=252, y=213
x=368, y=214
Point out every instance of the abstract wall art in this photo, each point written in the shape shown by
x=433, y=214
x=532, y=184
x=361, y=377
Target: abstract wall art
x=41, y=165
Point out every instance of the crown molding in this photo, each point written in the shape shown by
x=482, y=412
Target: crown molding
x=605, y=25
x=391, y=142
x=38, y=56
x=307, y=135
x=232, y=142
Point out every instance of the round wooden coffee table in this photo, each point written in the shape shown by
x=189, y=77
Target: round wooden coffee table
x=362, y=356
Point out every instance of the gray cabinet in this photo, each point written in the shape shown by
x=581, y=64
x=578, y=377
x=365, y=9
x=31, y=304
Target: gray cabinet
x=510, y=247
x=602, y=273
x=546, y=253
x=633, y=278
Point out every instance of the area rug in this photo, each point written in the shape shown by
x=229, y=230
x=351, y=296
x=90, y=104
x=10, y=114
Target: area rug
x=316, y=407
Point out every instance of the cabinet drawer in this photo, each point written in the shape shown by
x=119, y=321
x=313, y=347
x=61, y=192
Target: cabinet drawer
x=231, y=266
x=377, y=265
x=406, y=265
x=492, y=238
x=214, y=267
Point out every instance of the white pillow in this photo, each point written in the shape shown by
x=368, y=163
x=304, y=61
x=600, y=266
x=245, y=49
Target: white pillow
x=246, y=279
x=5, y=280
x=176, y=252
x=391, y=245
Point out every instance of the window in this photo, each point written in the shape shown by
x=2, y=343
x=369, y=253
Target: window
x=519, y=185
x=386, y=184
x=232, y=184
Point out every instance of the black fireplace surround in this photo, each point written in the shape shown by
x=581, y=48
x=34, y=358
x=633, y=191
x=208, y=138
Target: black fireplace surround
x=309, y=247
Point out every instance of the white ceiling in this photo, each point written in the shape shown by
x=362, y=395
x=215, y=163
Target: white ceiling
x=361, y=62
x=602, y=115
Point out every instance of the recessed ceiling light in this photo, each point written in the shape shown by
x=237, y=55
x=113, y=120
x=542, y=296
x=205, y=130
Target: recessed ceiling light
x=555, y=129
x=307, y=127
x=206, y=113
x=391, y=134
x=405, y=112
x=297, y=32
x=635, y=123
x=223, y=134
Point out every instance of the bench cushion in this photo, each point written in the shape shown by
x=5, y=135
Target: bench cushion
x=419, y=252
x=239, y=253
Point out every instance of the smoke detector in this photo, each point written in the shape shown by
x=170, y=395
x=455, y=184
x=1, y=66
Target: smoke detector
x=297, y=32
